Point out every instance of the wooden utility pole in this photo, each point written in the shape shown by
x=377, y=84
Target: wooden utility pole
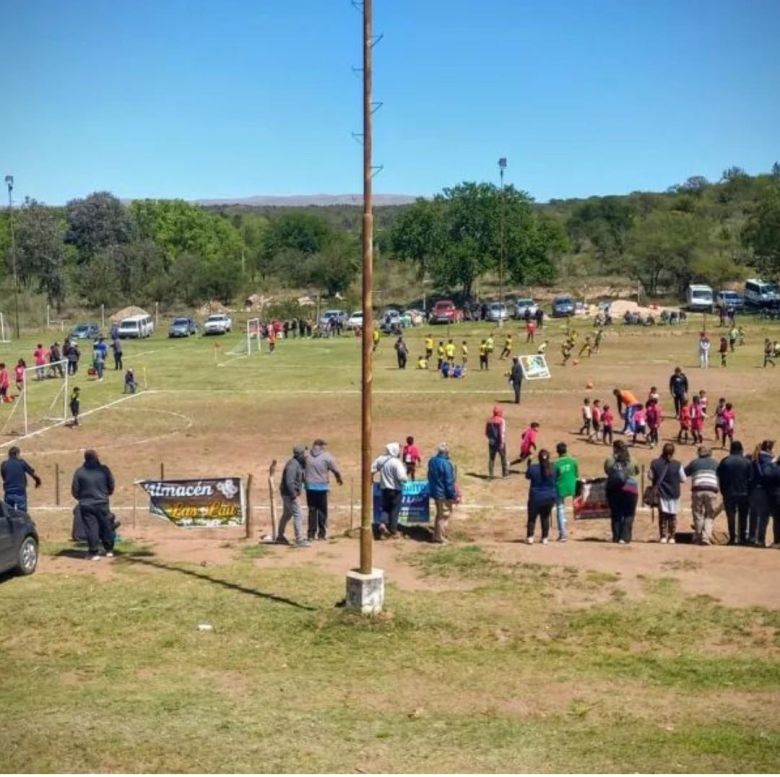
x=367, y=367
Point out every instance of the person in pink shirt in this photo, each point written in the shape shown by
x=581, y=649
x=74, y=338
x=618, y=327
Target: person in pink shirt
x=640, y=423
x=410, y=457
x=729, y=420
x=697, y=421
x=39, y=355
x=4, y=383
x=595, y=419
x=19, y=374
x=607, y=419
x=528, y=441
x=654, y=418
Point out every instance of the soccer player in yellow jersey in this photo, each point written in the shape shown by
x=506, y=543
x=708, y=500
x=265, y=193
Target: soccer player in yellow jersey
x=449, y=351
x=428, y=347
x=507, y=347
x=464, y=352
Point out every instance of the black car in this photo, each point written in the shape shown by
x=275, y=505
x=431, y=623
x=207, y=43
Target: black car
x=182, y=327
x=18, y=541
x=85, y=332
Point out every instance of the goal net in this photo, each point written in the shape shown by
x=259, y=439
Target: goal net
x=40, y=401
x=250, y=343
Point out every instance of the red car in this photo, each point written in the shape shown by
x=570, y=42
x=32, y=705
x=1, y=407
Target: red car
x=445, y=312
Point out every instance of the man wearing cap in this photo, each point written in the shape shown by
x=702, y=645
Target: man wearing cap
x=441, y=488
x=703, y=472
x=14, y=472
x=290, y=489
x=319, y=464
x=92, y=486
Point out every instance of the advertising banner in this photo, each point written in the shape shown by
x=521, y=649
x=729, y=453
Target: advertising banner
x=535, y=367
x=415, y=504
x=592, y=501
x=208, y=502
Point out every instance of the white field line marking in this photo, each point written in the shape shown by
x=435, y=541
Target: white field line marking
x=356, y=392
x=145, y=353
x=62, y=423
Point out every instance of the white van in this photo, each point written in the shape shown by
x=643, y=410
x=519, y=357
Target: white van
x=136, y=326
x=700, y=297
x=761, y=294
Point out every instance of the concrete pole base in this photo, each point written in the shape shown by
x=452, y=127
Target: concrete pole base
x=366, y=593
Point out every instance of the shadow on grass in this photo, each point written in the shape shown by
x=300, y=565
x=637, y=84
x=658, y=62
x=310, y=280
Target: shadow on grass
x=482, y=476
x=132, y=558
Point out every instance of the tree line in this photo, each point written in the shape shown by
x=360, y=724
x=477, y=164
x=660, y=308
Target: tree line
x=98, y=250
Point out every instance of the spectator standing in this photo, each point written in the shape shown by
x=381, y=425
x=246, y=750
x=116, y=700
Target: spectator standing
x=734, y=472
x=678, y=387
x=516, y=378
x=760, y=506
x=319, y=464
x=14, y=471
x=541, y=496
x=116, y=347
x=703, y=472
x=92, y=487
x=443, y=490
x=290, y=489
x=666, y=475
x=567, y=473
x=392, y=476
x=622, y=491
x=401, y=352
x=704, y=350
x=495, y=431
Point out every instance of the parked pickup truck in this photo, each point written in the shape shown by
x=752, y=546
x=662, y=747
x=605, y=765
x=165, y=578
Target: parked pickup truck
x=217, y=324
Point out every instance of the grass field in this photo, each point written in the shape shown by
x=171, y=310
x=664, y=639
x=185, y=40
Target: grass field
x=492, y=656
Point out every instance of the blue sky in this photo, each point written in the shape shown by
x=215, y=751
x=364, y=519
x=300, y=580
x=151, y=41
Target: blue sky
x=221, y=98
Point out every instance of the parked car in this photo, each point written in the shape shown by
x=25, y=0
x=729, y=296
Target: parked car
x=18, y=541
x=523, y=304
x=563, y=307
x=730, y=299
x=85, y=332
x=217, y=324
x=761, y=294
x=355, y=321
x=700, y=297
x=497, y=311
x=339, y=315
x=182, y=327
x=445, y=312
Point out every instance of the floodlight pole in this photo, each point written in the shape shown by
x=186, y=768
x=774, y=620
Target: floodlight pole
x=9, y=182
x=367, y=367
x=501, y=168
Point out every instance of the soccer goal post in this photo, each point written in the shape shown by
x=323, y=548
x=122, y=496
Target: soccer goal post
x=251, y=341
x=5, y=336
x=42, y=399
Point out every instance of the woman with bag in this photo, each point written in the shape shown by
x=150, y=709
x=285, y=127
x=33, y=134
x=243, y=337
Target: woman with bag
x=622, y=491
x=666, y=475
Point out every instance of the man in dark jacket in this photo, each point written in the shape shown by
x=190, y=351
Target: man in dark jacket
x=92, y=486
x=319, y=464
x=290, y=489
x=734, y=479
x=516, y=378
x=678, y=387
x=14, y=471
x=441, y=488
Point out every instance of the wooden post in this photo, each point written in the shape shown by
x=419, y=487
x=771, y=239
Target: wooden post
x=162, y=470
x=272, y=497
x=248, y=506
x=351, y=504
x=56, y=483
x=135, y=498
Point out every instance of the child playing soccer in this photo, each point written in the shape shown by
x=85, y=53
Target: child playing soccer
x=411, y=457
x=723, y=349
x=566, y=350
x=483, y=355
x=75, y=408
x=490, y=344
x=653, y=394
x=595, y=420
x=639, y=422
x=697, y=421
x=507, y=350
x=607, y=419
x=464, y=353
x=19, y=374
x=449, y=352
x=440, y=355
x=130, y=384
x=428, y=347
x=719, y=421
x=769, y=353
x=542, y=348
x=422, y=363
x=530, y=328
x=653, y=418
x=685, y=422
x=4, y=383
x=528, y=442
x=587, y=417
x=703, y=401
x=587, y=346
x=730, y=418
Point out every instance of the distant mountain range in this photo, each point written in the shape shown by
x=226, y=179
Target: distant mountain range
x=302, y=200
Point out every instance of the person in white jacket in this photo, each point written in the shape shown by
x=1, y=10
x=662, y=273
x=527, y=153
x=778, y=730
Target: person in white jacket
x=392, y=476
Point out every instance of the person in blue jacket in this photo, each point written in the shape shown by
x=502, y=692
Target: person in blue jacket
x=441, y=488
x=541, y=496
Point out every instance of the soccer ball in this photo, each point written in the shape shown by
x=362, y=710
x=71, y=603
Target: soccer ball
x=589, y=384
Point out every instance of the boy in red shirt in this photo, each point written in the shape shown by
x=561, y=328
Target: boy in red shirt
x=697, y=421
x=21, y=366
x=653, y=417
x=729, y=419
x=607, y=419
x=595, y=419
x=528, y=441
x=4, y=383
x=410, y=457
x=685, y=422
x=530, y=328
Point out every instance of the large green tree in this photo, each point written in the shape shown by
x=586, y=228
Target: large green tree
x=761, y=233
x=96, y=222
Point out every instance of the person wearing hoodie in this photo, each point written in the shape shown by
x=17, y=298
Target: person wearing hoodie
x=703, y=472
x=442, y=489
x=495, y=431
x=290, y=489
x=319, y=464
x=392, y=476
x=760, y=504
x=92, y=486
x=734, y=474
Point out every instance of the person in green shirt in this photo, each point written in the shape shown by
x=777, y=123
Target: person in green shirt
x=567, y=473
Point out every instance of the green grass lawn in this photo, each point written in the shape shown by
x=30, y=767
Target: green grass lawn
x=491, y=666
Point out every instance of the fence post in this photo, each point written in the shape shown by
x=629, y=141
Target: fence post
x=248, y=505
x=56, y=483
x=162, y=470
x=351, y=504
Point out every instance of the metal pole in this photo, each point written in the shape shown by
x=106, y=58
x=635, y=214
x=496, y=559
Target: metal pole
x=367, y=376
x=501, y=167
x=56, y=484
x=9, y=180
